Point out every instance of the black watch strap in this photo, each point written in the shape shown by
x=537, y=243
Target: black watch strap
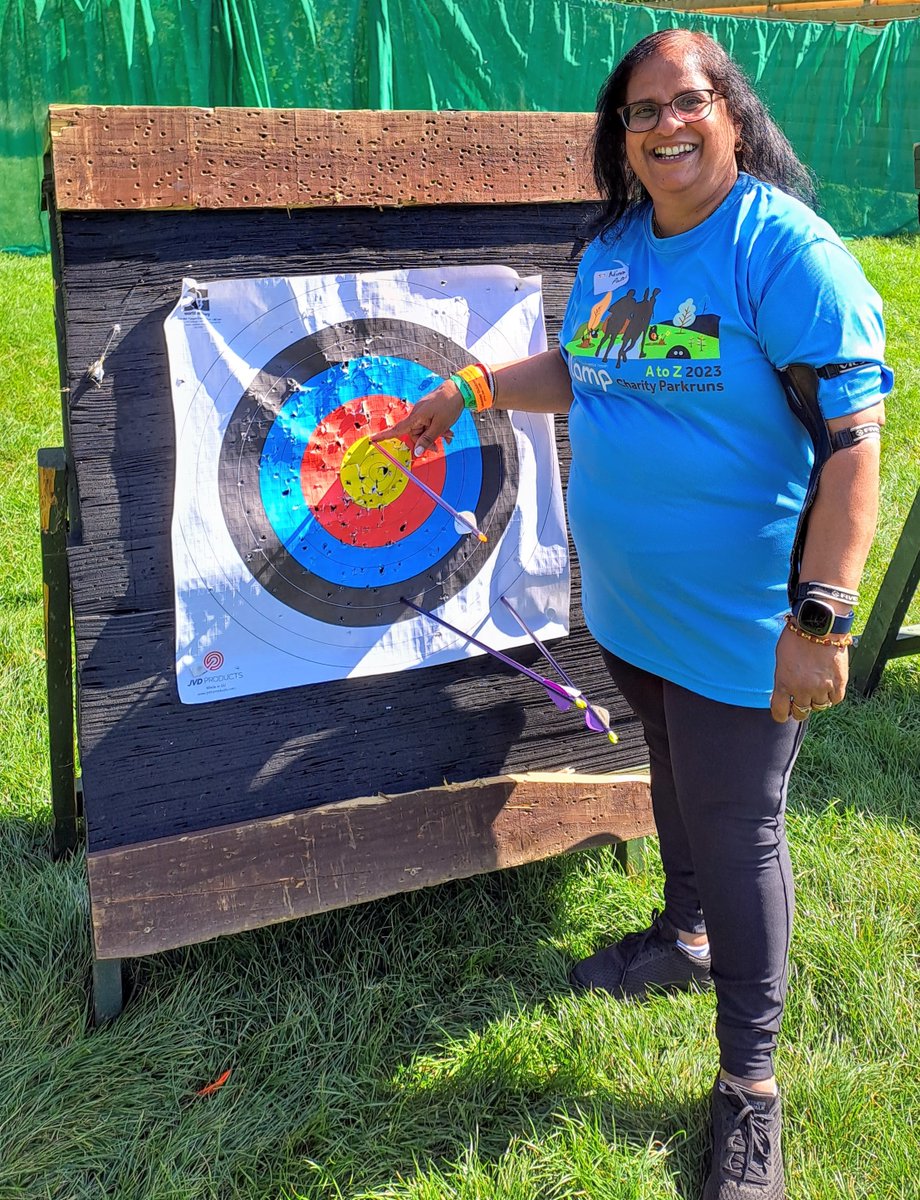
x=844, y=438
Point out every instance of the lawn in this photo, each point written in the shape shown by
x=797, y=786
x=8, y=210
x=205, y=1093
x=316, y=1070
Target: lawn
x=427, y=1047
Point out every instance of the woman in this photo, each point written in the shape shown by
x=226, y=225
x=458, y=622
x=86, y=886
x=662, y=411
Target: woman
x=708, y=277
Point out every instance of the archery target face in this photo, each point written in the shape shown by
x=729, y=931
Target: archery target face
x=319, y=534
x=295, y=541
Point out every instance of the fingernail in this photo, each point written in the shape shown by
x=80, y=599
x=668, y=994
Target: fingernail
x=419, y=450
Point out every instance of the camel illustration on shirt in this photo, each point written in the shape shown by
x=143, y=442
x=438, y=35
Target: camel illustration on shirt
x=692, y=332
x=637, y=326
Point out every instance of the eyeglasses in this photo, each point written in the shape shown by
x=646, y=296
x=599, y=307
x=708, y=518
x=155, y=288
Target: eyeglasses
x=688, y=107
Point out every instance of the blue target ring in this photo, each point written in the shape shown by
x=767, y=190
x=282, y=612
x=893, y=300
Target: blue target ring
x=280, y=539
x=299, y=531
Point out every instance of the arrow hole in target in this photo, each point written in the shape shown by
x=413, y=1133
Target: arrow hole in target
x=349, y=552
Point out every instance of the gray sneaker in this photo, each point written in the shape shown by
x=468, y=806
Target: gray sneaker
x=747, y=1154
x=642, y=963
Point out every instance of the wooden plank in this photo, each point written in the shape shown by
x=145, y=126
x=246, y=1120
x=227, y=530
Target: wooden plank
x=52, y=502
x=131, y=158
x=60, y=337
x=181, y=890
x=740, y=6
x=876, y=13
x=773, y=6
x=878, y=641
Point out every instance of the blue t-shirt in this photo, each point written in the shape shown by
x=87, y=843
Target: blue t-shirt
x=688, y=468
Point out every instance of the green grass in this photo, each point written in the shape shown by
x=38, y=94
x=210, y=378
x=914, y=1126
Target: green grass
x=427, y=1047
x=891, y=264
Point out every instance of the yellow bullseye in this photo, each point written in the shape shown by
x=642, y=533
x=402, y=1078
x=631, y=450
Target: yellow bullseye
x=368, y=478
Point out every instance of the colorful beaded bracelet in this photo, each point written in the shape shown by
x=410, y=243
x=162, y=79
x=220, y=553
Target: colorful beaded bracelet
x=846, y=640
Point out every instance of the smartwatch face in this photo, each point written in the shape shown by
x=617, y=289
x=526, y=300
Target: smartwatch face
x=815, y=617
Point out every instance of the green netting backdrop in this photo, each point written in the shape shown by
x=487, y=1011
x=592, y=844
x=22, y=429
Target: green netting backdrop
x=848, y=97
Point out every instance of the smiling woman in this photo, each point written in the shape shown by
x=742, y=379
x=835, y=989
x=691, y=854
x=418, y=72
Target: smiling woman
x=710, y=288
x=685, y=157
x=677, y=96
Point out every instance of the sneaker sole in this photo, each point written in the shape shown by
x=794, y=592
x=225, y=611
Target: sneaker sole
x=662, y=989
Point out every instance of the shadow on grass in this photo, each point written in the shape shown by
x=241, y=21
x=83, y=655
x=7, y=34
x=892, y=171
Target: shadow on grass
x=442, y=1020
x=865, y=753
x=368, y=1047
x=425, y=1045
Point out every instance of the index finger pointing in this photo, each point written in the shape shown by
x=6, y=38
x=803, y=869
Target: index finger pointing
x=406, y=428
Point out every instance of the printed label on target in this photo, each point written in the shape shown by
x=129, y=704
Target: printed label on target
x=295, y=542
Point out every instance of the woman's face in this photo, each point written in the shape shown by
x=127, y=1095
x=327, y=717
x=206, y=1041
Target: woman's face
x=690, y=162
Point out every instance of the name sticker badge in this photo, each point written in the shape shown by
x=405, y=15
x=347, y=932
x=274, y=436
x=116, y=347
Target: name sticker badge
x=609, y=281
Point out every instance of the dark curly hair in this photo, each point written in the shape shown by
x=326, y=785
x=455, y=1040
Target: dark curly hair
x=765, y=153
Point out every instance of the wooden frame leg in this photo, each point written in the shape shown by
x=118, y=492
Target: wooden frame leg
x=108, y=989
x=883, y=637
x=631, y=855
x=52, y=492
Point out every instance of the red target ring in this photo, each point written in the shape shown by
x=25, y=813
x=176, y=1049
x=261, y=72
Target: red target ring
x=320, y=476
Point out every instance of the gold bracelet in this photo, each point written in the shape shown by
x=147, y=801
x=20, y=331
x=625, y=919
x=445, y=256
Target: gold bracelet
x=840, y=643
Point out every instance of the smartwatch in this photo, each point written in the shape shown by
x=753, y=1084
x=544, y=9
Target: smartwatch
x=818, y=618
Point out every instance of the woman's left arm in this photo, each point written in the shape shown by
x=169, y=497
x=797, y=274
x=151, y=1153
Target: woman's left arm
x=840, y=531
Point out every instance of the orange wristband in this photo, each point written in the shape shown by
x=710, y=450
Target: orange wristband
x=475, y=376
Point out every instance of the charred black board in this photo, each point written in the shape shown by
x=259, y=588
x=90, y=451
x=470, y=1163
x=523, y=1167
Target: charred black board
x=153, y=767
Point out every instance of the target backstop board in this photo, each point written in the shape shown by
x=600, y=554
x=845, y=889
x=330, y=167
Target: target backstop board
x=211, y=818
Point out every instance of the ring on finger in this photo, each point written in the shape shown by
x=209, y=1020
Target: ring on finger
x=798, y=708
x=822, y=707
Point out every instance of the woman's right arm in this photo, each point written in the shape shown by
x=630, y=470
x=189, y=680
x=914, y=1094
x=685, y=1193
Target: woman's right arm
x=540, y=383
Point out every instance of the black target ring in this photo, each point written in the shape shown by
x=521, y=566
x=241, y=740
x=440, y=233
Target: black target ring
x=249, y=523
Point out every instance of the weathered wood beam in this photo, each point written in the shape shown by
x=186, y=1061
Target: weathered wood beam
x=802, y=10
x=137, y=158
x=180, y=890
x=52, y=504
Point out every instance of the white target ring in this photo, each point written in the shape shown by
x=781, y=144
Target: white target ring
x=277, y=568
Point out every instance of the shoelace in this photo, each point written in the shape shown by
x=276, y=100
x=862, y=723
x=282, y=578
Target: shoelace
x=634, y=943
x=748, y=1135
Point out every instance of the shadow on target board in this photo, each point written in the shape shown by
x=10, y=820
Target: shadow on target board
x=214, y=818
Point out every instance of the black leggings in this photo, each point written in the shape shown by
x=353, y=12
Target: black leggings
x=719, y=777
